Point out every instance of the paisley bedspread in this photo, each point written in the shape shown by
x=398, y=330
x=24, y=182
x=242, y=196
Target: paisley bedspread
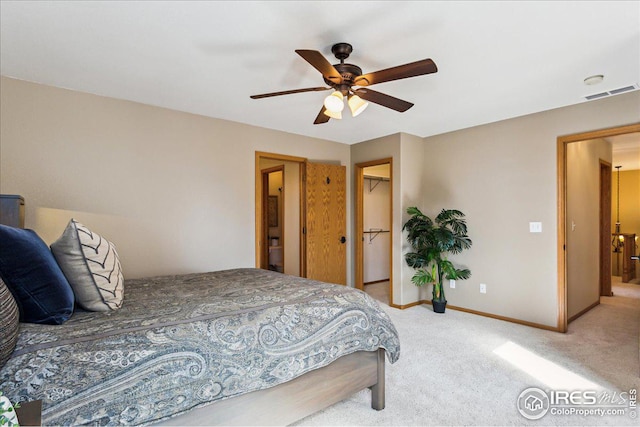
x=181, y=342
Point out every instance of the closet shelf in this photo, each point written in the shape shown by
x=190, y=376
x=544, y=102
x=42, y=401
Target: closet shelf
x=378, y=180
x=373, y=233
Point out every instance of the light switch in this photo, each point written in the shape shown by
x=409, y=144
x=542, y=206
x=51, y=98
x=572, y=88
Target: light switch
x=535, y=227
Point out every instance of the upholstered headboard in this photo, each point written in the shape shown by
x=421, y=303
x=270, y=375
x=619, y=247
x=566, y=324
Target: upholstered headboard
x=12, y=210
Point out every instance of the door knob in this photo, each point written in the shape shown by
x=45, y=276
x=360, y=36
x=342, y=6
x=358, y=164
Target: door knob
x=343, y=239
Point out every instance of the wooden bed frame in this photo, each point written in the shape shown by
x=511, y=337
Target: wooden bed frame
x=298, y=398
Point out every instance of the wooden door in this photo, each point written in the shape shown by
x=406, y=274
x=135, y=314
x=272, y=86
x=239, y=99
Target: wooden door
x=326, y=223
x=605, y=229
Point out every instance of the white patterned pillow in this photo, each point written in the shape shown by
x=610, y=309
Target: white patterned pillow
x=91, y=265
x=9, y=324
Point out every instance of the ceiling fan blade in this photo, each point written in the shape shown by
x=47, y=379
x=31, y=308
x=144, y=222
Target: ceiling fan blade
x=382, y=99
x=322, y=117
x=320, y=63
x=418, y=68
x=289, y=92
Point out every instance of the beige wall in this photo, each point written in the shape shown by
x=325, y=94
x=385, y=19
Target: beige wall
x=381, y=171
x=583, y=222
x=414, y=192
x=629, y=208
x=174, y=191
x=502, y=176
x=629, y=200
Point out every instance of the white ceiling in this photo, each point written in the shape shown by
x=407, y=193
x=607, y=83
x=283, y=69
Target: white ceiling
x=496, y=60
x=626, y=151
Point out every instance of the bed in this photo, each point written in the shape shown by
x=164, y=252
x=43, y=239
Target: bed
x=242, y=346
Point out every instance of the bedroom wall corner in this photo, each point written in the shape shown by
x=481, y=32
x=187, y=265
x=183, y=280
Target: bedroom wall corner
x=414, y=193
x=503, y=175
x=407, y=154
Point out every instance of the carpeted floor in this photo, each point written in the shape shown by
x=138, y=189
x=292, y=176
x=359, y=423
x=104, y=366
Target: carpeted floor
x=464, y=369
x=379, y=291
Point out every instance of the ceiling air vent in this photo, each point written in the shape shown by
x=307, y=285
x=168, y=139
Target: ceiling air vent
x=597, y=95
x=622, y=89
x=612, y=92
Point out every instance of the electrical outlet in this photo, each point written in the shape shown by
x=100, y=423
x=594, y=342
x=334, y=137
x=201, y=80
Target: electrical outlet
x=483, y=288
x=452, y=283
x=535, y=227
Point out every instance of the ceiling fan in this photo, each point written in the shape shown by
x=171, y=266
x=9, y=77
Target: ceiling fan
x=343, y=77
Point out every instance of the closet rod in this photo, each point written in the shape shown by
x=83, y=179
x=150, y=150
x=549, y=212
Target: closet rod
x=374, y=233
x=376, y=178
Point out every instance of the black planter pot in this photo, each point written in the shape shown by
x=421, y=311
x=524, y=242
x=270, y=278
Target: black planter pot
x=438, y=306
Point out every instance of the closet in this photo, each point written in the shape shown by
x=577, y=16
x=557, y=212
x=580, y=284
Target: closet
x=376, y=224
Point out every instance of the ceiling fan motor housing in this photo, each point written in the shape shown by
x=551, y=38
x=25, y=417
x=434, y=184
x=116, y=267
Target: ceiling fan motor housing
x=342, y=50
x=348, y=72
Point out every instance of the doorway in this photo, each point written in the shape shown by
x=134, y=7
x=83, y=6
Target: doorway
x=272, y=257
x=374, y=219
x=279, y=217
x=315, y=219
x=563, y=143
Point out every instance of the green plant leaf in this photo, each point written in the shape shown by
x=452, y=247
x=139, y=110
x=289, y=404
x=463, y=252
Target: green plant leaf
x=416, y=260
x=431, y=241
x=421, y=278
x=448, y=269
x=463, y=274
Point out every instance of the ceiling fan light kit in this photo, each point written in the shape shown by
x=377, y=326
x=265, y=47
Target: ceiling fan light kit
x=357, y=105
x=333, y=114
x=334, y=102
x=343, y=78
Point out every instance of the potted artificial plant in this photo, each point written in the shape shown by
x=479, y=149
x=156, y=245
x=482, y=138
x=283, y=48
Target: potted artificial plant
x=431, y=241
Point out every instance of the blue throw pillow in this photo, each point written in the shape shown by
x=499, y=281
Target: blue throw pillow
x=31, y=273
